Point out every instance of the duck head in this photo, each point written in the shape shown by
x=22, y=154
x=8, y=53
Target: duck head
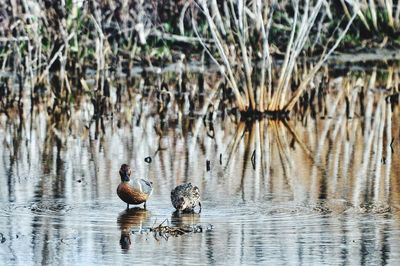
x=125, y=172
x=181, y=204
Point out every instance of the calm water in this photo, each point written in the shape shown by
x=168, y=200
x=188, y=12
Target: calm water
x=321, y=189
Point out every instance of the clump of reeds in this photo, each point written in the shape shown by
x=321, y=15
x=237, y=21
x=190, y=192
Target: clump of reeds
x=241, y=46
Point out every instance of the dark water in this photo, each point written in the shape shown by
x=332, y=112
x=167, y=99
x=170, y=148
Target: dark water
x=314, y=190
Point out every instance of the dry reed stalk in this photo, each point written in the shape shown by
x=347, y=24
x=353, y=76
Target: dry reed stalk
x=389, y=10
x=217, y=15
x=266, y=58
x=397, y=17
x=301, y=38
x=357, y=9
x=372, y=9
x=241, y=24
x=389, y=82
x=274, y=101
x=325, y=55
x=345, y=9
x=182, y=18
x=100, y=53
x=222, y=51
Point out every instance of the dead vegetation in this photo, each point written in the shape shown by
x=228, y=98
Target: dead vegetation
x=167, y=231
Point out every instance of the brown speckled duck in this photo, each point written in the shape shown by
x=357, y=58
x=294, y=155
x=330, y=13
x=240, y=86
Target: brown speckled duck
x=133, y=190
x=185, y=197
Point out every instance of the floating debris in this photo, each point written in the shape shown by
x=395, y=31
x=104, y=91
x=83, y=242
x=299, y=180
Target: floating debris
x=47, y=207
x=2, y=238
x=148, y=159
x=166, y=231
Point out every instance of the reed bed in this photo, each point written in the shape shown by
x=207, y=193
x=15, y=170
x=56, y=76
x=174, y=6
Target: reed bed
x=80, y=47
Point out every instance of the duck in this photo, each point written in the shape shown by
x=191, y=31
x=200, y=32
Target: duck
x=185, y=197
x=133, y=190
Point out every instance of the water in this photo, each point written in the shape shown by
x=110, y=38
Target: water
x=323, y=190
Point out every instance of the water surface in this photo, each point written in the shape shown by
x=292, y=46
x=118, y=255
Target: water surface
x=321, y=188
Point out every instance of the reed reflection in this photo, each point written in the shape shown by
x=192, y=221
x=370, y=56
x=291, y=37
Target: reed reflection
x=268, y=180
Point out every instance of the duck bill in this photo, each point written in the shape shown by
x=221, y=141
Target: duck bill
x=125, y=178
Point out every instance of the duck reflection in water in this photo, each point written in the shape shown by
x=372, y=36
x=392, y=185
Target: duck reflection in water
x=182, y=219
x=130, y=218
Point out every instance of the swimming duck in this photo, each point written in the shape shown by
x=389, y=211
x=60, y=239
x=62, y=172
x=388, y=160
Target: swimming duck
x=185, y=197
x=133, y=191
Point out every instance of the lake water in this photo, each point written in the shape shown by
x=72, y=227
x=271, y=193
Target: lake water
x=322, y=188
